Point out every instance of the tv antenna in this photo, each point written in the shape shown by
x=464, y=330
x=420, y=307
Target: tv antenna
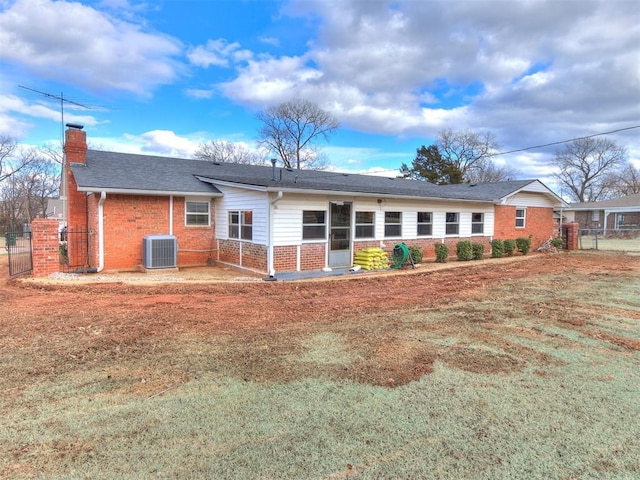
x=63, y=100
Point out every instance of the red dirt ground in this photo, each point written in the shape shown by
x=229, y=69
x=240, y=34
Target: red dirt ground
x=63, y=317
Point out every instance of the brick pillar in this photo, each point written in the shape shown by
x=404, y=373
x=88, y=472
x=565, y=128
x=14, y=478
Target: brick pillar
x=570, y=234
x=45, y=247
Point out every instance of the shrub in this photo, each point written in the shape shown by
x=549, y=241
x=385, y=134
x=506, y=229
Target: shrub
x=442, y=252
x=557, y=242
x=416, y=253
x=478, y=251
x=523, y=244
x=497, y=248
x=64, y=254
x=464, y=250
x=509, y=247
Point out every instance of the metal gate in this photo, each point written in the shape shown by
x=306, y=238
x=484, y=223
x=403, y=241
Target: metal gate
x=18, y=245
x=75, y=250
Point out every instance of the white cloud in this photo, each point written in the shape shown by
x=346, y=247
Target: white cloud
x=529, y=71
x=75, y=43
x=218, y=53
x=14, y=108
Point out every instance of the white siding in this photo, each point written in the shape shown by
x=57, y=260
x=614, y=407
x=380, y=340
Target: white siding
x=236, y=199
x=287, y=214
x=529, y=199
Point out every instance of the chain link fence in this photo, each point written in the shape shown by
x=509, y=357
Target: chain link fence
x=624, y=240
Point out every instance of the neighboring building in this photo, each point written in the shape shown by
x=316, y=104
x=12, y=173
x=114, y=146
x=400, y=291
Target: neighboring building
x=617, y=214
x=272, y=219
x=55, y=209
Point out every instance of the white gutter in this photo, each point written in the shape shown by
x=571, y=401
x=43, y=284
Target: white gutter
x=272, y=207
x=171, y=214
x=103, y=197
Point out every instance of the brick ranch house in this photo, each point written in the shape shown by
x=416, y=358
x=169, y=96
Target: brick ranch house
x=618, y=214
x=271, y=219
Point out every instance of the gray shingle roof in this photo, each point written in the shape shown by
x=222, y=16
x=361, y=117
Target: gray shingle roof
x=132, y=172
x=632, y=200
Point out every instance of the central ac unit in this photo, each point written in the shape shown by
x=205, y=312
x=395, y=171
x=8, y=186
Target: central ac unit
x=159, y=251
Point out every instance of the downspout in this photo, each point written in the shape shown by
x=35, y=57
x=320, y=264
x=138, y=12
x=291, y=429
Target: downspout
x=171, y=214
x=272, y=206
x=103, y=197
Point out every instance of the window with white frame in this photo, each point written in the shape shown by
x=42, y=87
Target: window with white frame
x=241, y=224
x=452, y=223
x=425, y=224
x=365, y=225
x=314, y=225
x=392, y=224
x=197, y=213
x=521, y=217
x=477, y=223
x=595, y=216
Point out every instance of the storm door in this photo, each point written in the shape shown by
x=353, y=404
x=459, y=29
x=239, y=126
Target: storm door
x=340, y=235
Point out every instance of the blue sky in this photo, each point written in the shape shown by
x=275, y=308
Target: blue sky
x=162, y=76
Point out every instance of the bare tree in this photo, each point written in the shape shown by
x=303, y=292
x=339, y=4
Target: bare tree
x=467, y=150
x=626, y=181
x=227, y=152
x=458, y=157
x=12, y=157
x=24, y=194
x=486, y=170
x=291, y=130
x=586, y=167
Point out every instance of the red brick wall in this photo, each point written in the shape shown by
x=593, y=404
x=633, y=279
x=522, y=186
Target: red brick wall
x=45, y=251
x=539, y=223
x=254, y=256
x=285, y=258
x=129, y=218
x=313, y=256
x=244, y=254
x=196, y=245
x=570, y=233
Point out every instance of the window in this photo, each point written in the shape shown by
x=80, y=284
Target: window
x=392, y=224
x=521, y=215
x=197, y=213
x=241, y=225
x=365, y=225
x=477, y=223
x=425, y=223
x=595, y=216
x=314, y=225
x=452, y=223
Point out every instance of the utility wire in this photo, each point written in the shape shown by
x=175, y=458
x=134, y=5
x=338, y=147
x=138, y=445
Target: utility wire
x=538, y=146
x=563, y=141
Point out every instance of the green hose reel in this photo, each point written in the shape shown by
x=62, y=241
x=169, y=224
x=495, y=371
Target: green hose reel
x=401, y=255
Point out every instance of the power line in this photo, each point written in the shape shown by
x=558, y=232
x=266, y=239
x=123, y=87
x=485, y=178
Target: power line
x=563, y=141
x=540, y=146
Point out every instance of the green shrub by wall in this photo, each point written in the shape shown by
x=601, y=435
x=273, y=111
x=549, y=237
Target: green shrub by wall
x=509, y=247
x=478, y=251
x=557, y=242
x=464, y=250
x=497, y=248
x=523, y=244
x=442, y=252
x=416, y=253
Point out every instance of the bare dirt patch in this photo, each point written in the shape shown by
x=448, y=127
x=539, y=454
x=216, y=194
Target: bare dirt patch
x=60, y=325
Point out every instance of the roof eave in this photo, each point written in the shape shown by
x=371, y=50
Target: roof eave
x=127, y=191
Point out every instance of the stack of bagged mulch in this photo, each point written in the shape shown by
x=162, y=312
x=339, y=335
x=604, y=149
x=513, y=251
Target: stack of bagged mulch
x=371, y=259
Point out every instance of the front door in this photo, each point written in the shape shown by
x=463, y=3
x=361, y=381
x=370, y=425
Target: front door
x=340, y=235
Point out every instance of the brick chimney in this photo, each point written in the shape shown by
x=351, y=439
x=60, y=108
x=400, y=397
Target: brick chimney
x=75, y=152
x=75, y=144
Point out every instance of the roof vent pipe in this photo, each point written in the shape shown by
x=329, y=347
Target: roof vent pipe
x=273, y=170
